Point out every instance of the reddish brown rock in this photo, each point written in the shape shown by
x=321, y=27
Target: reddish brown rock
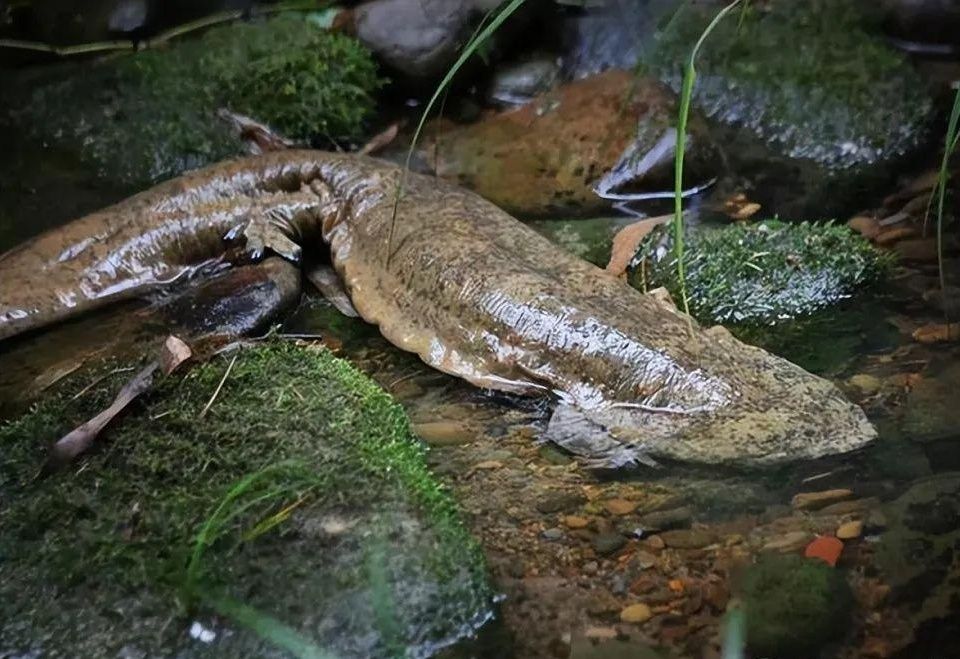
x=546, y=157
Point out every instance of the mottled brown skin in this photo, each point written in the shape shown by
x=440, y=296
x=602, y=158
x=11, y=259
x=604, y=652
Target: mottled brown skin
x=470, y=290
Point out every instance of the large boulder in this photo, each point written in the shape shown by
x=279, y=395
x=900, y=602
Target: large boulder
x=293, y=513
x=821, y=109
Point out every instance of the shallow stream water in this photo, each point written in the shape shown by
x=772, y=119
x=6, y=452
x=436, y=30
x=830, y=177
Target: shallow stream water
x=484, y=444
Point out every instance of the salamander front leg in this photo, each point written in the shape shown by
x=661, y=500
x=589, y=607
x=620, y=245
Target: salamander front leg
x=266, y=232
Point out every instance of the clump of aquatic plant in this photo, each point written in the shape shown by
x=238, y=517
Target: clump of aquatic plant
x=761, y=273
x=268, y=502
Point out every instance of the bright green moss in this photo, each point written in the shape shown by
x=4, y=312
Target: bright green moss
x=301, y=80
x=761, y=273
x=793, y=605
x=125, y=520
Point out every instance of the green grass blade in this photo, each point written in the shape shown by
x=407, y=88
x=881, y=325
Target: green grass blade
x=265, y=626
x=468, y=50
x=943, y=176
x=686, y=92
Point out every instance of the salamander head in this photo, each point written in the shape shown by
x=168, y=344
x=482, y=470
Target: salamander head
x=775, y=413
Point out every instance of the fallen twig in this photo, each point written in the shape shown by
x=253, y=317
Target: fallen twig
x=80, y=439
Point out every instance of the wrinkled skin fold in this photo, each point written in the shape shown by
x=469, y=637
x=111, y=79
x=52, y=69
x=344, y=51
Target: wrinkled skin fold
x=472, y=291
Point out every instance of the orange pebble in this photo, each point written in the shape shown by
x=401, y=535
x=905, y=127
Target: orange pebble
x=826, y=548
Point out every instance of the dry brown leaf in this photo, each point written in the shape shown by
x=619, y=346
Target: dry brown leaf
x=56, y=373
x=937, y=333
x=380, y=140
x=739, y=207
x=79, y=439
x=173, y=353
x=627, y=240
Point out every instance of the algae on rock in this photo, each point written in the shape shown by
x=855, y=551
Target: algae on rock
x=835, y=106
x=793, y=605
x=147, y=116
x=363, y=529
x=761, y=273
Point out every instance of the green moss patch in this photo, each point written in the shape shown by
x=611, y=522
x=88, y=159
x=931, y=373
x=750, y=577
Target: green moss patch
x=793, y=606
x=143, y=117
x=339, y=531
x=814, y=78
x=761, y=273
x=811, y=103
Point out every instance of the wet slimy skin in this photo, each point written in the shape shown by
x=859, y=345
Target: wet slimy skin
x=472, y=291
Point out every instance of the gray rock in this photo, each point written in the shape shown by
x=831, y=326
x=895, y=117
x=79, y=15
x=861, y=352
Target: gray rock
x=664, y=520
x=553, y=534
x=608, y=543
x=560, y=502
x=520, y=82
x=419, y=38
x=128, y=15
x=610, y=35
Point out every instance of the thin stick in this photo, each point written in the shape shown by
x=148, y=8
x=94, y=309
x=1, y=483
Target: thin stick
x=219, y=386
x=162, y=37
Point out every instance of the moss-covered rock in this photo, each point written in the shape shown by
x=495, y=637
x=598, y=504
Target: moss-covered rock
x=146, y=116
x=816, y=84
x=760, y=273
x=793, y=606
x=299, y=505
